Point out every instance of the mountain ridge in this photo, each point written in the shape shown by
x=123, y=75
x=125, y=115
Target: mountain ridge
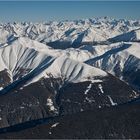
x=60, y=69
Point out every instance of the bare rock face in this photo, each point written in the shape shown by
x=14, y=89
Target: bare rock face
x=4, y=78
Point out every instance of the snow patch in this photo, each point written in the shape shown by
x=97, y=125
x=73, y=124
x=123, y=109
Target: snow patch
x=54, y=125
x=50, y=104
x=89, y=100
x=90, y=85
x=88, y=88
x=21, y=88
x=1, y=88
x=101, y=88
x=99, y=106
x=21, y=107
x=112, y=102
x=96, y=81
x=50, y=133
x=135, y=94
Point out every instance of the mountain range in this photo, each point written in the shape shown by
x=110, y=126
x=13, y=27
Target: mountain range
x=62, y=72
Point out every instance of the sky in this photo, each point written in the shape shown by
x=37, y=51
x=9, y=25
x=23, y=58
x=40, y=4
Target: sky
x=39, y=11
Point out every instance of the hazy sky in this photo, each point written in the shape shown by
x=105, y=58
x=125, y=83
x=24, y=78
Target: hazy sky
x=55, y=10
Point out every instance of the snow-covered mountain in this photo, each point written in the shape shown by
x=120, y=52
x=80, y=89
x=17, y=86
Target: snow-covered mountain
x=120, y=59
x=60, y=68
x=89, y=30
x=23, y=56
x=131, y=36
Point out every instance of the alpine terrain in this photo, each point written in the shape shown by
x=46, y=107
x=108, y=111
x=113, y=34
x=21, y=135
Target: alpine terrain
x=70, y=79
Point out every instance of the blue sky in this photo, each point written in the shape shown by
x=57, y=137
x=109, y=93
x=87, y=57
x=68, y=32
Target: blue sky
x=38, y=11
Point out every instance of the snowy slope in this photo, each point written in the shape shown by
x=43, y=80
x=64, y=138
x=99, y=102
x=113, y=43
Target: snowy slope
x=117, y=53
x=132, y=36
x=70, y=71
x=19, y=58
x=119, y=59
x=24, y=56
